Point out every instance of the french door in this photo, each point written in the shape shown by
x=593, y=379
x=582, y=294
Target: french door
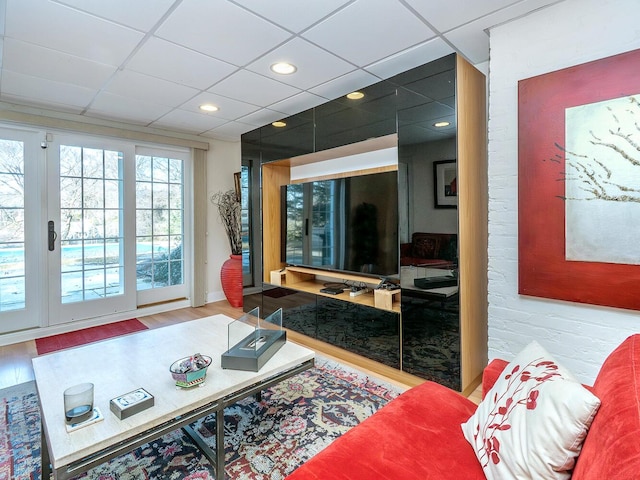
x=87, y=224
x=20, y=231
x=89, y=227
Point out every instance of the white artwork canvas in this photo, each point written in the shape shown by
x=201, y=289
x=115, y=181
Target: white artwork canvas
x=602, y=181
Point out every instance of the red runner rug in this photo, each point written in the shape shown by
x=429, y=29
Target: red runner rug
x=88, y=335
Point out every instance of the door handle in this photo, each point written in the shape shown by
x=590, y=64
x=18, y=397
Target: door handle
x=52, y=236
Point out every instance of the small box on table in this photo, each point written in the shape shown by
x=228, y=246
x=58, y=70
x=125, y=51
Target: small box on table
x=131, y=403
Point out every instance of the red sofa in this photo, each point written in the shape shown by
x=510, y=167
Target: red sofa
x=418, y=435
x=432, y=249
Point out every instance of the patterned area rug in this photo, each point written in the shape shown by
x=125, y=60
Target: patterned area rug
x=263, y=441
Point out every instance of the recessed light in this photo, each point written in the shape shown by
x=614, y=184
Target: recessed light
x=279, y=124
x=283, y=68
x=207, y=107
x=441, y=124
x=355, y=95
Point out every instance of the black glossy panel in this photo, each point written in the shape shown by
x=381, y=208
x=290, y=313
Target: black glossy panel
x=426, y=95
x=298, y=308
x=296, y=138
x=367, y=331
x=431, y=338
x=251, y=301
x=343, y=121
x=250, y=145
x=417, y=75
x=376, y=335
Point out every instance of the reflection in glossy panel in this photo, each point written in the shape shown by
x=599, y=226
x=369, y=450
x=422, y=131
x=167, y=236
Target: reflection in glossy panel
x=430, y=325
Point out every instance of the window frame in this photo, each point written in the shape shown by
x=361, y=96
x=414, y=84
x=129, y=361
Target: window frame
x=182, y=291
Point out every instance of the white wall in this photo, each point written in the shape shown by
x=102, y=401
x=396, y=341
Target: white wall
x=572, y=32
x=223, y=160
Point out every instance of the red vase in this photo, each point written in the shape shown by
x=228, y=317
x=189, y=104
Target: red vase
x=231, y=278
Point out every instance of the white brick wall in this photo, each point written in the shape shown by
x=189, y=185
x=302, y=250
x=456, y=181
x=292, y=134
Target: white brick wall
x=572, y=32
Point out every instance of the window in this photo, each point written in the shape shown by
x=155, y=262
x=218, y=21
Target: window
x=91, y=231
x=159, y=222
x=90, y=226
x=12, y=239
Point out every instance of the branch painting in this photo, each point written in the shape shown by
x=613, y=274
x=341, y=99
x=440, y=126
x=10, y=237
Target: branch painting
x=579, y=183
x=602, y=181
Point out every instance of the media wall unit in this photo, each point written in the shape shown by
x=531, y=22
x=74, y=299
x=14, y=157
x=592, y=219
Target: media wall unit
x=441, y=339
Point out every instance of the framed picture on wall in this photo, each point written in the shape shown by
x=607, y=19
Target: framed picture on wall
x=445, y=184
x=578, y=177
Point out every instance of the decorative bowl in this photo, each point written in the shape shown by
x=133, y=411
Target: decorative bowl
x=190, y=371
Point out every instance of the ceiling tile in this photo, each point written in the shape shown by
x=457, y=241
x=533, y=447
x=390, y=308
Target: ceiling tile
x=256, y=89
x=188, y=121
x=472, y=43
x=42, y=62
x=446, y=15
x=163, y=59
x=345, y=84
x=75, y=33
x=363, y=32
x=66, y=55
x=139, y=14
x=47, y=92
x=150, y=89
x=229, y=109
x=222, y=30
x=115, y=107
x=230, y=130
x=261, y=117
x=298, y=103
x=407, y=59
x=41, y=104
x=471, y=39
x=294, y=15
x=315, y=65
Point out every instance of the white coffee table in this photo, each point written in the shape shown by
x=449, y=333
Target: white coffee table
x=142, y=359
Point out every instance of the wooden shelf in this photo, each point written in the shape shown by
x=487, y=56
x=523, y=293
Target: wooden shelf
x=312, y=280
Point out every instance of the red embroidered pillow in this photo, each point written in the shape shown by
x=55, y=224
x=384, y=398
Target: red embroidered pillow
x=532, y=423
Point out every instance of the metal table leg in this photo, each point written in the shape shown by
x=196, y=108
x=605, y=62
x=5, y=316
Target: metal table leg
x=45, y=460
x=220, y=444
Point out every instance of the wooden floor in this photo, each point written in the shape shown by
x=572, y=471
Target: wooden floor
x=15, y=360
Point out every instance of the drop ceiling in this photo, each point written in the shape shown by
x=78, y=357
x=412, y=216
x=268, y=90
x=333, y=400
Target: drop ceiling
x=152, y=63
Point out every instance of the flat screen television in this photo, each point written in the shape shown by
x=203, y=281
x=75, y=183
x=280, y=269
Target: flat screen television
x=346, y=224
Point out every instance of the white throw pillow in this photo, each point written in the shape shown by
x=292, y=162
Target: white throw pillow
x=532, y=423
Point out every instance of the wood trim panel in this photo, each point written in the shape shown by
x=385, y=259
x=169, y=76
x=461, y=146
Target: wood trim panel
x=274, y=176
x=473, y=220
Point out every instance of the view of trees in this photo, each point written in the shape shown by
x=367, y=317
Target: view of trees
x=159, y=221
x=606, y=170
x=90, y=231
x=11, y=192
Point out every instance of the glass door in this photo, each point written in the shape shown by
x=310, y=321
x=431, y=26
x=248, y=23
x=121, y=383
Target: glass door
x=88, y=272
x=20, y=253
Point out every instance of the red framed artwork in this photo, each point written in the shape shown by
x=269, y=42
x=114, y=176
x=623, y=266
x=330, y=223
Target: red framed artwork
x=579, y=183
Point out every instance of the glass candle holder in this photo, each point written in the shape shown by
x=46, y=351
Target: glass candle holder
x=78, y=403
